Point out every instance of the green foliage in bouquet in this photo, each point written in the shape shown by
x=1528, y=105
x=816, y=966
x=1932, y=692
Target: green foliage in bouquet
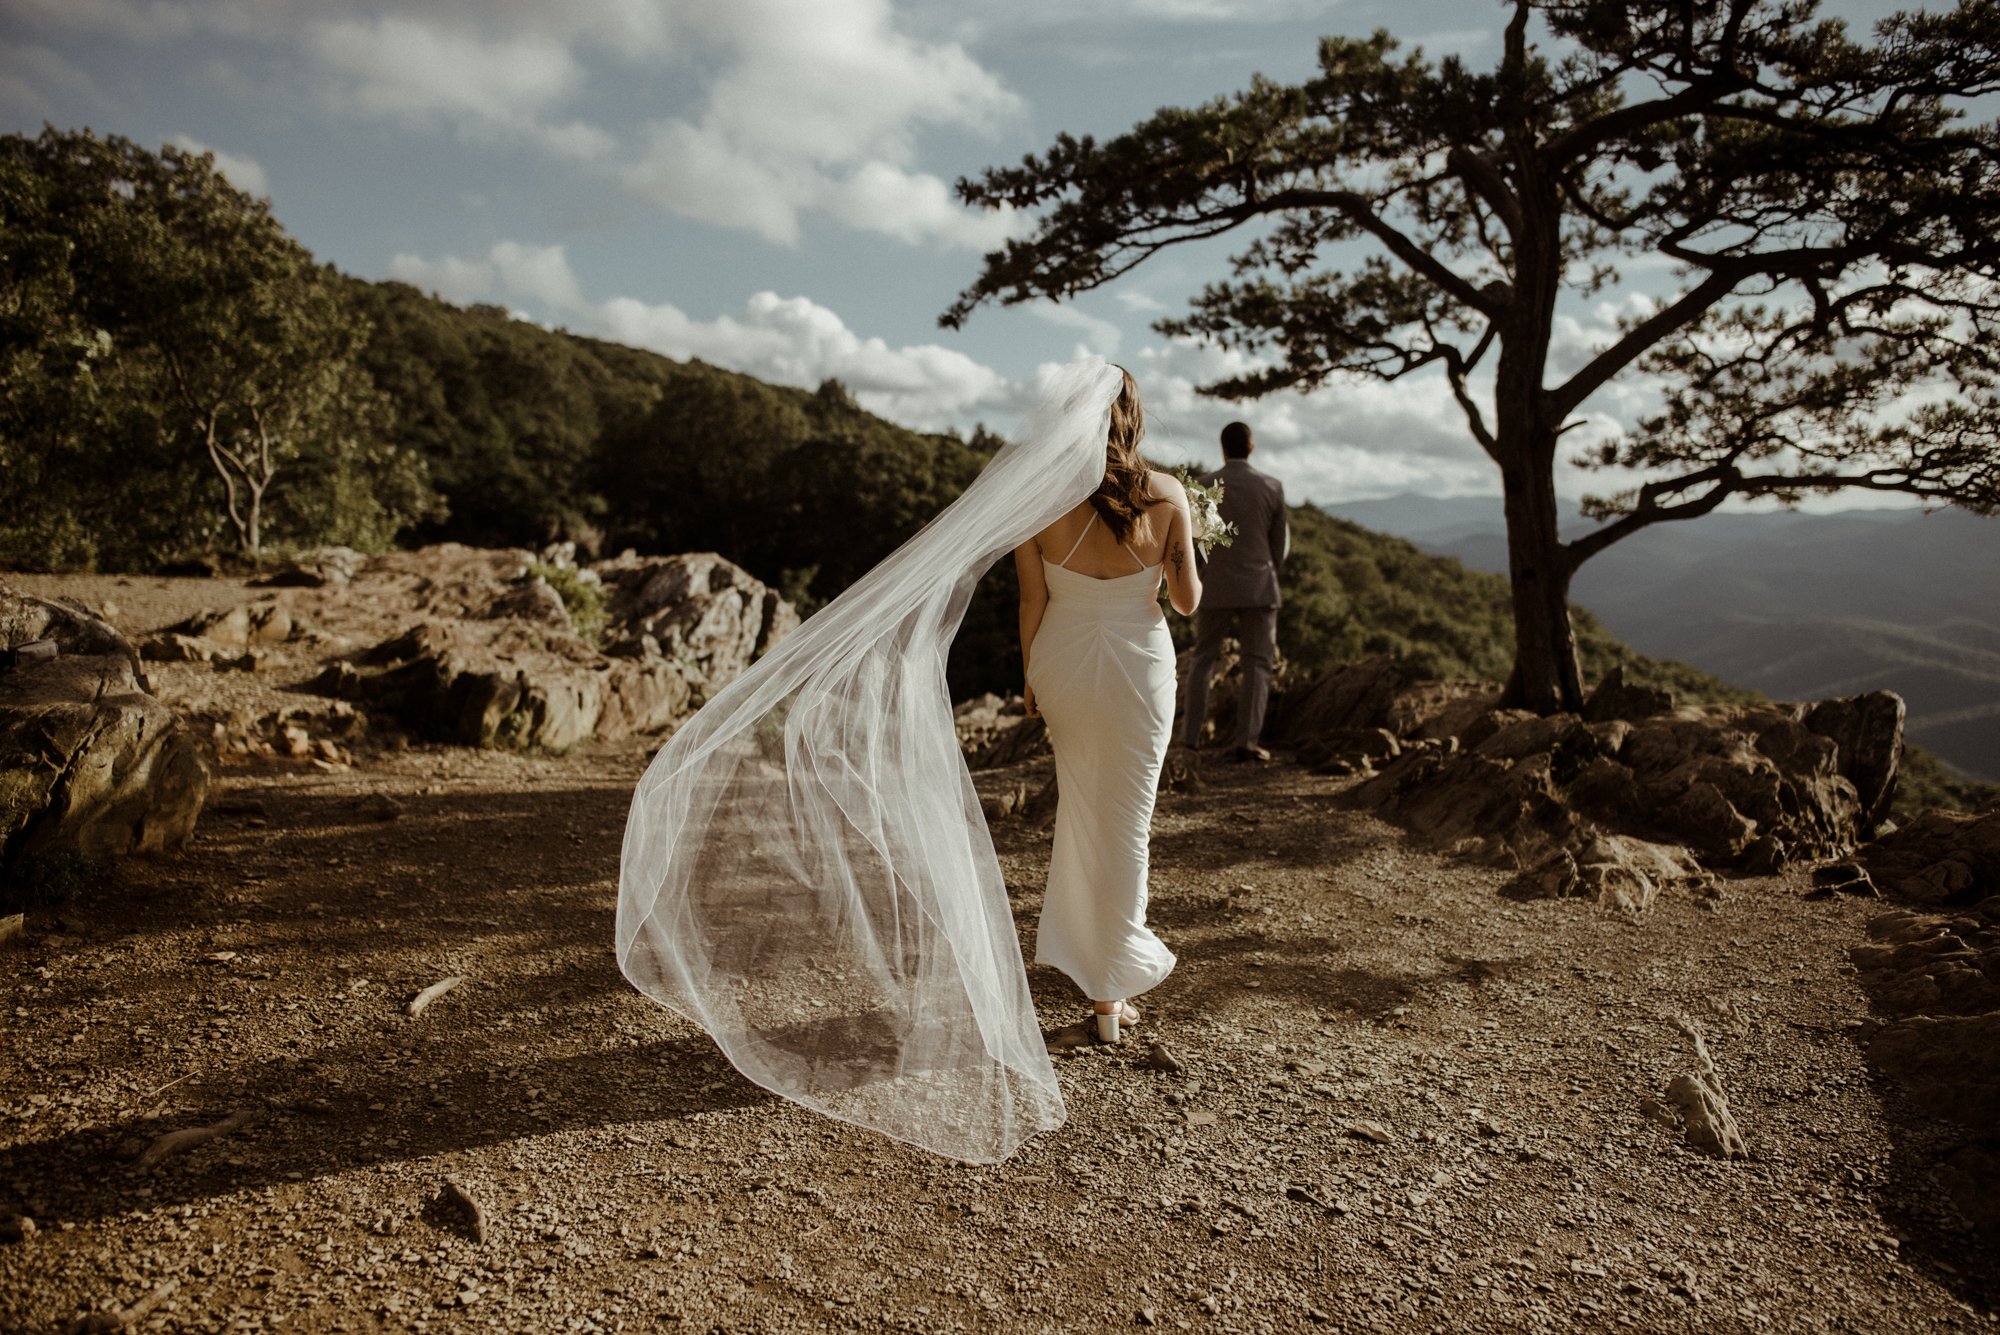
x=1205, y=507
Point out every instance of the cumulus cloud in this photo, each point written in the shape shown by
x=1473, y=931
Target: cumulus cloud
x=243, y=172
x=510, y=269
x=800, y=107
x=458, y=281
x=787, y=340
x=817, y=108
x=796, y=341
x=1351, y=440
x=33, y=76
x=1099, y=336
x=399, y=66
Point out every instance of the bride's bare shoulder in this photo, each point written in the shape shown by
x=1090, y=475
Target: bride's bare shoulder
x=1164, y=486
x=1067, y=526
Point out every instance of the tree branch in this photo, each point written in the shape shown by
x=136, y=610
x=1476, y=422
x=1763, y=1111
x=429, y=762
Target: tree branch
x=1485, y=181
x=1690, y=306
x=1648, y=511
x=1457, y=366
x=1359, y=209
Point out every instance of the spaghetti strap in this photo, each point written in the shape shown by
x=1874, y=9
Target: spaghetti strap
x=1135, y=556
x=1064, y=563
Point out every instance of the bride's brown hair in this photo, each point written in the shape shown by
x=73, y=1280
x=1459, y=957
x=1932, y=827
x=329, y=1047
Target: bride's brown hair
x=1123, y=495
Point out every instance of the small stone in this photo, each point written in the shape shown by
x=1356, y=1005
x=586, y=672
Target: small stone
x=1159, y=1059
x=1369, y=1131
x=16, y=1227
x=1146, y=1316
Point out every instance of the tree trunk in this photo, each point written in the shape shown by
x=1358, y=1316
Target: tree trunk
x=1547, y=677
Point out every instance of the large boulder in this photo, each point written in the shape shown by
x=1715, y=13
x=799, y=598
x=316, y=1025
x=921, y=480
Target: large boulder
x=705, y=613
x=1349, y=718
x=90, y=761
x=1935, y=978
x=267, y=621
x=500, y=683
x=316, y=569
x=1868, y=730
x=1941, y=857
x=1617, y=871
x=1745, y=787
x=496, y=660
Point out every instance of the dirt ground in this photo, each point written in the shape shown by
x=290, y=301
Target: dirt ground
x=1405, y=1103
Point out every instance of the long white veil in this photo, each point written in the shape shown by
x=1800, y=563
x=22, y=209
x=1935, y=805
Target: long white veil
x=806, y=871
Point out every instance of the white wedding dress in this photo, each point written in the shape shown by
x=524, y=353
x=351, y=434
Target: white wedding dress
x=806, y=872
x=1102, y=666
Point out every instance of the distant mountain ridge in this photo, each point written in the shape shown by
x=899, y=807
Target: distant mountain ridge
x=1792, y=604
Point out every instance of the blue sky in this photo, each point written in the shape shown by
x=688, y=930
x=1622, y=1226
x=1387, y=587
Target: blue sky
x=764, y=184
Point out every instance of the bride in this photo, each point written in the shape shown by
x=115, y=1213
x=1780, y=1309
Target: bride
x=806, y=873
x=1099, y=666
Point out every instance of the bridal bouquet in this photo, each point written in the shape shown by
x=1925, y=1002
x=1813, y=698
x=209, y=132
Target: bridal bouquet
x=1205, y=508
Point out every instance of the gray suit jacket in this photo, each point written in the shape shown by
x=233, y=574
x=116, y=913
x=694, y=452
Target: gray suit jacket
x=1245, y=573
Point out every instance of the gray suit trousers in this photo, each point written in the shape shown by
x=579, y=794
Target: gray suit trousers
x=1256, y=631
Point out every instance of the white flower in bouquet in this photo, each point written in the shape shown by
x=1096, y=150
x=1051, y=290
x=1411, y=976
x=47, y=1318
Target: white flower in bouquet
x=1211, y=530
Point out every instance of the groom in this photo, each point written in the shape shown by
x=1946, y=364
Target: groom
x=1240, y=593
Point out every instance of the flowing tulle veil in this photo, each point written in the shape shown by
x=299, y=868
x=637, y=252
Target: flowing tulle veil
x=807, y=873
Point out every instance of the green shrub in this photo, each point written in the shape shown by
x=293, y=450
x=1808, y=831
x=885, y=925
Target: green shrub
x=582, y=597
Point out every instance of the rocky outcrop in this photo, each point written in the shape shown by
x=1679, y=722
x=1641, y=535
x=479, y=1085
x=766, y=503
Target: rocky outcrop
x=1932, y=964
x=90, y=761
x=234, y=637
x=497, y=661
x=698, y=610
x=267, y=621
x=1749, y=787
x=499, y=684
x=316, y=569
x=1940, y=858
x=1617, y=871
x=1352, y=718
x=1936, y=980
x=1617, y=802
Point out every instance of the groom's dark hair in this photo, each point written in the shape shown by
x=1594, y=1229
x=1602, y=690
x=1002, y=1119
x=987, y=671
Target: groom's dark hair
x=1236, y=441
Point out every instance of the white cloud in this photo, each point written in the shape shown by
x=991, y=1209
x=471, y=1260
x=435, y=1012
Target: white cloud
x=802, y=107
x=540, y=272
x=796, y=341
x=1100, y=336
x=396, y=66
x=458, y=281
x=788, y=340
x=817, y=109
x=33, y=76
x=914, y=207
x=510, y=269
x=1345, y=441
x=243, y=172
x=1134, y=300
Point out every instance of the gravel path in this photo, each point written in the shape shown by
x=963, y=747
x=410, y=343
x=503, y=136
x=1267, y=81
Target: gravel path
x=1405, y=1102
